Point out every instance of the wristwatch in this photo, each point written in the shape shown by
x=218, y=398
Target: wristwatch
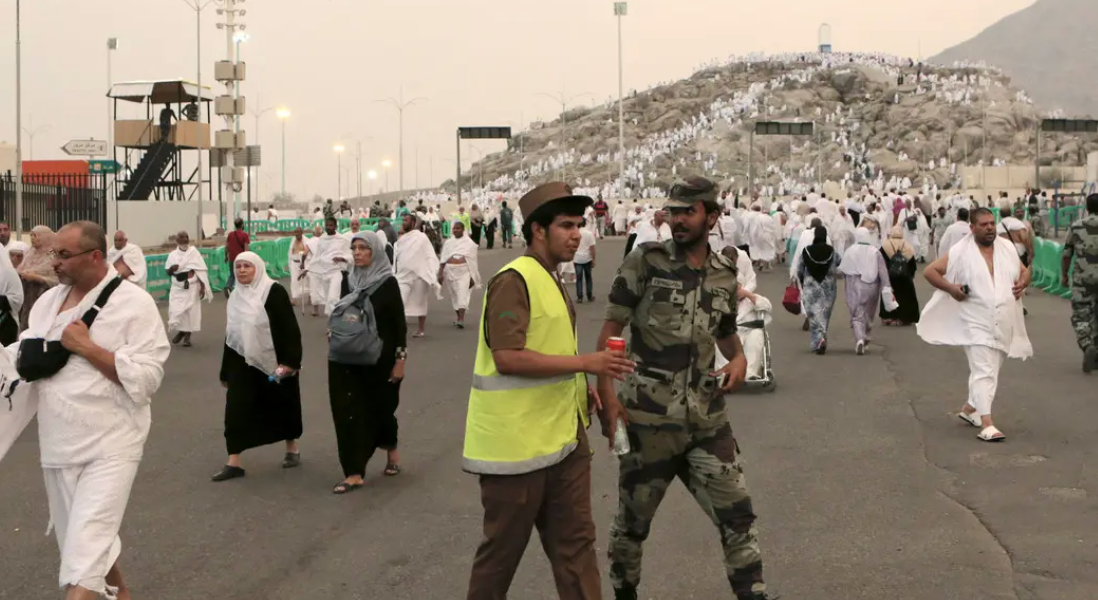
x=401, y=353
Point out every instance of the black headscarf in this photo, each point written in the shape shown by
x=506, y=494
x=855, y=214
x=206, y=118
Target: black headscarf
x=819, y=255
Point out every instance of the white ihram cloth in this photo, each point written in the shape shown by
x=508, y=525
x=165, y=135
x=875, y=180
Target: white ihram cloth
x=11, y=287
x=92, y=431
x=456, y=277
x=416, y=272
x=762, y=235
x=135, y=261
x=920, y=237
x=747, y=311
x=723, y=234
x=1009, y=225
x=619, y=215
x=185, y=297
x=299, y=287
x=953, y=234
x=988, y=324
x=247, y=327
x=647, y=232
x=325, y=273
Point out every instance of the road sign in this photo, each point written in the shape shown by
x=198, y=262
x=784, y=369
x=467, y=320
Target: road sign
x=103, y=166
x=484, y=133
x=621, y=9
x=85, y=148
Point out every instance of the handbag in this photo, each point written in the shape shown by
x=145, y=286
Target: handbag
x=39, y=358
x=791, y=300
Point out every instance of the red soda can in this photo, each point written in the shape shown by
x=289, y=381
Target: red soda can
x=615, y=344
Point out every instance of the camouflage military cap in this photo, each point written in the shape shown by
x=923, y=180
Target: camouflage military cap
x=685, y=192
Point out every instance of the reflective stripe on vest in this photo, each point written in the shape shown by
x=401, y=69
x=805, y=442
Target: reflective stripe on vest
x=515, y=424
x=500, y=383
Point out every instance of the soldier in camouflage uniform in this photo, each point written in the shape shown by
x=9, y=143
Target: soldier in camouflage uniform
x=679, y=301
x=1081, y=250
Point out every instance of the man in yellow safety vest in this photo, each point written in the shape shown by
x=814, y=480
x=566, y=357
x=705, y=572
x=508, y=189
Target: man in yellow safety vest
x=529, y=407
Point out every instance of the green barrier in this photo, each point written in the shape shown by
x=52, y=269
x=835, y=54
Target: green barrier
x=157, y=281
x=218, y=269
x=1046, y=268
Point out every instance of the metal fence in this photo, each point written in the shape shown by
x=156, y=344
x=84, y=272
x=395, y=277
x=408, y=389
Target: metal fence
x=55, y=199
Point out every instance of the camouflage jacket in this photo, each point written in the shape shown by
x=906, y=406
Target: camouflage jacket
x=675, y=314
x=1082, y=244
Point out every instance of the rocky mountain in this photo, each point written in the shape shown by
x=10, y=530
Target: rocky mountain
x=1049, y=49
x=877, y=118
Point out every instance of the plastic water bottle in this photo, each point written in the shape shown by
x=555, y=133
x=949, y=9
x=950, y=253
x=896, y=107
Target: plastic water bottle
x=621, y=438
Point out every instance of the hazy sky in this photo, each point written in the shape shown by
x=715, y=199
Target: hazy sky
x=479, y=62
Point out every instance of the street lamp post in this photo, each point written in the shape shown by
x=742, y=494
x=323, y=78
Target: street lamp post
x=33, y=131
x=564, y=102
x=112, y=45
x=387, y=163
x=620, y=10
x=283, y=115
x=400, y=105
x=372, y=175
x=339, y=171
x=18, y=125
x=358, y=160
x=259, y=113
x=198, y=6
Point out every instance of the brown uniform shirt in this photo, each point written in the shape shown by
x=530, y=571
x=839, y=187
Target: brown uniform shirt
x=507, y=309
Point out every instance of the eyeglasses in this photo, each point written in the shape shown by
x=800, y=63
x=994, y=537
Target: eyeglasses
x=63, y=255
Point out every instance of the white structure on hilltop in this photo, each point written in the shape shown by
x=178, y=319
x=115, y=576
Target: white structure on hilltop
x=825, y=39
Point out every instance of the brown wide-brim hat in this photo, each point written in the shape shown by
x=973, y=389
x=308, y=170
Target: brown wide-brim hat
x=546, y=193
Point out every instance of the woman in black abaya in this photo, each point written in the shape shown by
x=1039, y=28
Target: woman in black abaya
x=259, y=367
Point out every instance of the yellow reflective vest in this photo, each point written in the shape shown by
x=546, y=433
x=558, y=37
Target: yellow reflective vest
x=519, y=424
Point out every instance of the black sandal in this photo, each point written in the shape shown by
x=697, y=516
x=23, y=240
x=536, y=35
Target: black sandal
x=391, y=470
x=345, y=488
x=292, y=459
x=227, y=472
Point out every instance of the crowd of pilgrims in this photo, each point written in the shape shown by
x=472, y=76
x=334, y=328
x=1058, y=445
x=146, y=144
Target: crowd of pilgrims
x=968, y=85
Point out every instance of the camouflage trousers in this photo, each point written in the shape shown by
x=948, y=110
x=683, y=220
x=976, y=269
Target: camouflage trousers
x=705, y=461
x=1084, y=315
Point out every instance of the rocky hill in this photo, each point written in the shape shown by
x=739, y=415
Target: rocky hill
x=1049, y=49
x=879, y=119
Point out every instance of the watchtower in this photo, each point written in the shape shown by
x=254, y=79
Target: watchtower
x=159, y=148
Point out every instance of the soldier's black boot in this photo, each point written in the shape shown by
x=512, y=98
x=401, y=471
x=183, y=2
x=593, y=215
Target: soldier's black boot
x=625, y=593
x=758, y=596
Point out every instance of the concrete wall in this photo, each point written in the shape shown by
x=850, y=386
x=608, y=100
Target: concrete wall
x=1021, y=177
x=150, y=223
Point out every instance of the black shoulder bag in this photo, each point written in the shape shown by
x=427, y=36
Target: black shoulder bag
x=40, y=359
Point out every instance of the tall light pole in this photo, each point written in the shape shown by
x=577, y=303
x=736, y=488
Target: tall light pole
x=18, y=126
x=400, y=105
x=387, y=163
x=358, y=159
x=283, y=115
x=620, y=10
x=112, y=45
x=33, y=131
x=564, y=102
x=372, y=175
x=339, y=171
x=259, y=113
x=198, y=6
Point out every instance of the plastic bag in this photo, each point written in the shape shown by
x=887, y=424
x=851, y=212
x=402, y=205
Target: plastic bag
x=889, y=299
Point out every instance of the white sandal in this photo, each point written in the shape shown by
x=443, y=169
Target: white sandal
x=991, y=434
x=972, y=419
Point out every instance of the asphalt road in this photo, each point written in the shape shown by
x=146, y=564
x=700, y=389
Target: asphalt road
x=865, y=485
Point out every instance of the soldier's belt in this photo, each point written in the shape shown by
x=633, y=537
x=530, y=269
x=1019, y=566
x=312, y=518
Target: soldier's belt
x=660, y=375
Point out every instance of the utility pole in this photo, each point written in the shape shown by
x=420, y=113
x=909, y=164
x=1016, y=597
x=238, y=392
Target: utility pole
x=400, y=105
x=18, y=125
x=564, y=102
x=620, y=10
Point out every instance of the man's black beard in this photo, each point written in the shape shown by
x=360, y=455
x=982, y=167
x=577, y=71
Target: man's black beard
x=986, y=244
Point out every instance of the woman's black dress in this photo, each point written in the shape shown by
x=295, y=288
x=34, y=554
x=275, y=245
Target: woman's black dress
x=257, y=411
x=904, y=289
x=364, y=402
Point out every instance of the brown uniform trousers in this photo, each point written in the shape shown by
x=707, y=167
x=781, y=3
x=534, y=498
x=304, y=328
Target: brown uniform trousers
x=556, y=500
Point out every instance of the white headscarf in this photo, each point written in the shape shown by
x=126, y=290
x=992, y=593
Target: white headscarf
x=11, y=286
x=247, y=328
x=861, y=259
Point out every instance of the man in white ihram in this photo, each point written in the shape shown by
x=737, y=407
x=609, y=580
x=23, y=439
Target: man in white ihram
x=190, y=285
x=978, y=306
x=128, y=260
x=330, y=255
x=93, y=414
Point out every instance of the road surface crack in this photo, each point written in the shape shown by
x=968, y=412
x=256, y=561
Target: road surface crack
x=897, y=380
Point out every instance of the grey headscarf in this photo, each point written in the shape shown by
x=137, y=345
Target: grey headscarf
x=364, y=281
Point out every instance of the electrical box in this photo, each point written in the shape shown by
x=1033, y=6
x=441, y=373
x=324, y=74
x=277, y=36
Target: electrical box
x=229, y=106
x=229, y=140
x=232, y=174
x=229, y=71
